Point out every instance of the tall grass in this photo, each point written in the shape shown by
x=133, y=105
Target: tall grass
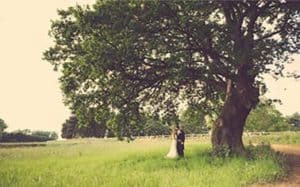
x=288, y=137
x=140, y=163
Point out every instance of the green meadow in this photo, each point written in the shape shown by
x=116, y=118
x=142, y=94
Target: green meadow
x=93, y=162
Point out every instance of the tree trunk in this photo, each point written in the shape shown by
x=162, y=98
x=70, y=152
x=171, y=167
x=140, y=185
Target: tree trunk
x=228, y=129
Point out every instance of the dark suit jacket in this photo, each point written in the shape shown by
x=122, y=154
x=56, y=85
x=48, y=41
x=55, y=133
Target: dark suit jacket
x=181, y=137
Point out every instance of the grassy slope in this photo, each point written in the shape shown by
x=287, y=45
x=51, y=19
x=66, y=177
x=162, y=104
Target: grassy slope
x=140, y=163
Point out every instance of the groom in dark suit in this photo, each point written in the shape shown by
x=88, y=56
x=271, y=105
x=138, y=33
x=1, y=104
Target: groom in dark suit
x=180, y=141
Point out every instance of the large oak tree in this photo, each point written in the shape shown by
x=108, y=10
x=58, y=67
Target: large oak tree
x=122, y=58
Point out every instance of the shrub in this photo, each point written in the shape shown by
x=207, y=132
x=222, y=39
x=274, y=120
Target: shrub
x=20, y=137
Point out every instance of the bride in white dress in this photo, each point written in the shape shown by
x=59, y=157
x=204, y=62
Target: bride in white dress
x=173, y=149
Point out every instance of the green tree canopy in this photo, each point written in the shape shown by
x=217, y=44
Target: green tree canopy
x=294, y=120
x=69, y=128
x=154, y=126
x=3, y=125
x=73, y=129
x=119, y=58
x=265, y=117
x=193, y=119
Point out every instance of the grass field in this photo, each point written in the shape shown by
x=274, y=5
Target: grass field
x=288, y=137
x=91, y=162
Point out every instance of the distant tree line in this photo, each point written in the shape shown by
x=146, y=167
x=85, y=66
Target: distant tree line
x=72, y=129
x=25, y=135
x=265, y=117
x=194, y=121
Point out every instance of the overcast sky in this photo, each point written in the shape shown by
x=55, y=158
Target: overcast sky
x=30, y=96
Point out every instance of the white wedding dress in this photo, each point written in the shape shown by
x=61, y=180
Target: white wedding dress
x=173, y=149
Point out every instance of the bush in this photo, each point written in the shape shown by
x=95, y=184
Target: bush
x=20, y=137
x=45, y=134
x=264, y=151
x=221, y=151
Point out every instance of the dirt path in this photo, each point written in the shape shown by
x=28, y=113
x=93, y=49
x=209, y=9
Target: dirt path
x=293, y=158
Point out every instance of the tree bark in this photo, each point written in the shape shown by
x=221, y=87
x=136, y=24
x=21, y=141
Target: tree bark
x=241, y=97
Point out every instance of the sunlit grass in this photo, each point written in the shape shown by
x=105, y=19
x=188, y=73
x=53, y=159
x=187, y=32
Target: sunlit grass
x=91, y=162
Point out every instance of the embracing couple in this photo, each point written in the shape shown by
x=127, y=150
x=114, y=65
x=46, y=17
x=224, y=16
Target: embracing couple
x=177, y=144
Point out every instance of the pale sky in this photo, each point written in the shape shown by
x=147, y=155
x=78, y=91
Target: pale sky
x=30, y=97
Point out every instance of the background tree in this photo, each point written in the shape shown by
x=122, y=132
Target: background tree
x=3, y=126
x=45, y=134
x=69, y=128
x=265, y=117
x=193, y=120
x=72, y=129
x=120, y=57
x=294, y=121
x=154, y=126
